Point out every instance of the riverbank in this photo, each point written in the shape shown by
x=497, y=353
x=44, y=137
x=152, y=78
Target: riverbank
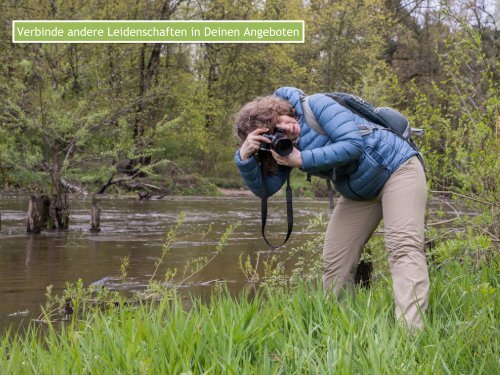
x=280, y=330
x=235, y=192
x=180, y=185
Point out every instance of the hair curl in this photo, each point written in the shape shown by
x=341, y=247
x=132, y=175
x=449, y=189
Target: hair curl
x=262, y=112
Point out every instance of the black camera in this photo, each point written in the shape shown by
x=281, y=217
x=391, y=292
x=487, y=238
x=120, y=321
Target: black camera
x=279, y=143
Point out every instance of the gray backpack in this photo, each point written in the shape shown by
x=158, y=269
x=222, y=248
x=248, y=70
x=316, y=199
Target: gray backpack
x=380, y=117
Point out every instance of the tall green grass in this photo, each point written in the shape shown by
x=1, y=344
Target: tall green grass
x=278, y=331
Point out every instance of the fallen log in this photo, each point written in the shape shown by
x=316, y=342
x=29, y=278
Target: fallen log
x=72, y=188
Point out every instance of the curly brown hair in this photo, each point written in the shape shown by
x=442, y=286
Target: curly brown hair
x=262, y=112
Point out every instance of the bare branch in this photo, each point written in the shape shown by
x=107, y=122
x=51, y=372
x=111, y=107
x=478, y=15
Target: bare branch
x=464, y=196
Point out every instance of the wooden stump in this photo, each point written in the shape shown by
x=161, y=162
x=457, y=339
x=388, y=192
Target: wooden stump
x=33, y=224
x=63, y=218
x=38, y=214
x=59, y=213
x=95, y=223
x=45, y=213
x=44, y=203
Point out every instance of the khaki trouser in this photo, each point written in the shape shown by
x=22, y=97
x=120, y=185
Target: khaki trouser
x=402, y=204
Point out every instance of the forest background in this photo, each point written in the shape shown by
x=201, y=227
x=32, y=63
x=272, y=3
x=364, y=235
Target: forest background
x=158, y=118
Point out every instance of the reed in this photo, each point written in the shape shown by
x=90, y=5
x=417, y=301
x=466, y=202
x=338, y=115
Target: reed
x=296, y=330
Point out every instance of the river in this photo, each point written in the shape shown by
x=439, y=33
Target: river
x=129, y=227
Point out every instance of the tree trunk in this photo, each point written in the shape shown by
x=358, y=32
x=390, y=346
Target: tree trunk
x=63, y=219
x=53, y=211
x=212, y=80
x=95, y=224
x=147, y=73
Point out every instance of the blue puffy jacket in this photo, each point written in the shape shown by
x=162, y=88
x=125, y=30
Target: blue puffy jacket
x=359, y=166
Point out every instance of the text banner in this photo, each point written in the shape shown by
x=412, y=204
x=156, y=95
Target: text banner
x=24, y=31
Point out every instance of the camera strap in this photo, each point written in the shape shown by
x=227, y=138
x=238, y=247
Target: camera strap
x=289, y=211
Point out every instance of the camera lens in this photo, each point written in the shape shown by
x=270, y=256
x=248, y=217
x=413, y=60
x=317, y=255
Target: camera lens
x=283, y=146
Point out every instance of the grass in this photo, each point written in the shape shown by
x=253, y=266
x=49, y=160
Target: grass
x=278, y=331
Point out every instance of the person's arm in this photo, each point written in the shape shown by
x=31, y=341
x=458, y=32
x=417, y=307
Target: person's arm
x=251, y=173
x=339, y=125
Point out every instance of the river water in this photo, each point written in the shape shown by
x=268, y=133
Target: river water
x=29, y=263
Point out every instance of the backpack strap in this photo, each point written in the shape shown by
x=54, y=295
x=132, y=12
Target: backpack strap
x=309, y=115
x=313, y=123
x=330, y=192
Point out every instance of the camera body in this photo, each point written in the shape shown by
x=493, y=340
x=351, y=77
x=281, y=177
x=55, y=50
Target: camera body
x=279, y=143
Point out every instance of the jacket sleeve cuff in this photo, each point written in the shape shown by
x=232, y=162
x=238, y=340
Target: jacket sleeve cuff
x=245, y=165
x=307, y=160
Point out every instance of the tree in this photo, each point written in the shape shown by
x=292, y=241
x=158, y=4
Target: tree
x=69, y=114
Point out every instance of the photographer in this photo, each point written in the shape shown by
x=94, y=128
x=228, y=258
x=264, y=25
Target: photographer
x=378, y=175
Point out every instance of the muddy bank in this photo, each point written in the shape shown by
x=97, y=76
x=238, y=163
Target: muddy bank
x=235, y=192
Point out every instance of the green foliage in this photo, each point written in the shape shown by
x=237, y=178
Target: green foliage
x=469, y=248
x=300, y=264
x=460, y=121
x=459, y=112
x=169, y=240
x=349, y=39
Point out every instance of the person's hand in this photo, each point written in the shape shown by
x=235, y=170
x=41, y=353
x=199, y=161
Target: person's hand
x=294, y=159
x=252, y=143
